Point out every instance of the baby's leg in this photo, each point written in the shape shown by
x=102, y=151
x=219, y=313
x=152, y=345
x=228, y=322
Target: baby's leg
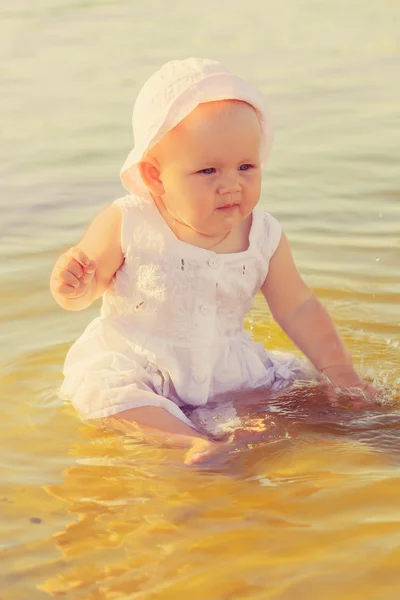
x=156, y=424
x=128, y=402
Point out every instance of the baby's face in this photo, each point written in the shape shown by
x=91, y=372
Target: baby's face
x=210, y=166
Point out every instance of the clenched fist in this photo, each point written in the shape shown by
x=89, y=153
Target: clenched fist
x=72, y=274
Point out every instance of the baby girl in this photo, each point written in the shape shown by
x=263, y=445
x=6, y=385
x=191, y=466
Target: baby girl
x=178, y=262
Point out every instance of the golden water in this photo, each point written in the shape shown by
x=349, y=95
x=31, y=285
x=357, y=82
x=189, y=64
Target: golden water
x=89, y=515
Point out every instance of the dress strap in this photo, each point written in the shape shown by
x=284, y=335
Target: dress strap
x=270, y=233
x=136, y=211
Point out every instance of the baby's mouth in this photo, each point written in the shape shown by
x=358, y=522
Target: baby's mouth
x=227, y=207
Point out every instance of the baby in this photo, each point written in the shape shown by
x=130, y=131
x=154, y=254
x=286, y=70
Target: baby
x=178, y=262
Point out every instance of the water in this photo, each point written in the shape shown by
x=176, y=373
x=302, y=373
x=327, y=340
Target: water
x=91, y=515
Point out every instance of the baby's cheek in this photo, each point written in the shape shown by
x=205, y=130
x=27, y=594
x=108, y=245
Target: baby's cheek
x=197, y=212
x=252, y=194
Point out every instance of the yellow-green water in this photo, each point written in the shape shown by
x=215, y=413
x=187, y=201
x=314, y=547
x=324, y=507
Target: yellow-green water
x=89, y=515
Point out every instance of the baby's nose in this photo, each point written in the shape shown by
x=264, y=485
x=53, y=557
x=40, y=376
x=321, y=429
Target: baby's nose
x=229, y=184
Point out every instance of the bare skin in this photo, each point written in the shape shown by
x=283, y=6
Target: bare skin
x=83, y=273
x=157, y=425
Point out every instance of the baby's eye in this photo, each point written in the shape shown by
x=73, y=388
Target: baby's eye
x=208, y=171
x=245, y=167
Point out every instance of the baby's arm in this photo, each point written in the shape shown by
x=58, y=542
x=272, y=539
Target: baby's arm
x=81, y=274
x=305, y=320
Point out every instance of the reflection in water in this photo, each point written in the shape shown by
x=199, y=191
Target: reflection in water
x=286, y=513
x=314, y=500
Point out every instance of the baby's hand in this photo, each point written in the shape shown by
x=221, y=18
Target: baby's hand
x=362, y=397
x=72, y=273
x=346, y=388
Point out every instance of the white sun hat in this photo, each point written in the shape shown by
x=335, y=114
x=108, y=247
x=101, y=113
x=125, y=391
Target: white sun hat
x=171, y=94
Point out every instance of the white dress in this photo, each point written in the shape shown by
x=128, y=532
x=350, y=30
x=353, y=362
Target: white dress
x=170, y=333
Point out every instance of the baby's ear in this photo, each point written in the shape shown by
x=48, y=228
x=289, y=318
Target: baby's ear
x=150, y=174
